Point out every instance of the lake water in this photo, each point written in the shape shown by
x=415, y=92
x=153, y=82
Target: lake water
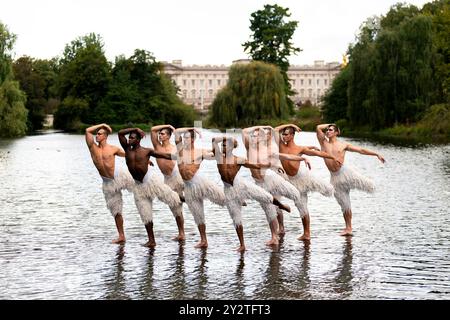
x=56, y=233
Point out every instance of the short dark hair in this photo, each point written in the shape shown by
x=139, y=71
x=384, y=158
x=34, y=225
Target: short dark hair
x=105, y=131
x=335, y=127
x=138, y=135
x=168, y=130
x=291, y=130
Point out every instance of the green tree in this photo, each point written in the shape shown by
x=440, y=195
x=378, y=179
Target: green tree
x=335, y=101
x=34, y=85
x=85, y=73
x=272, y=40
x=141, y=93
x=254, y=91
x=69, y=114
x=439, y=11
x=13, y=114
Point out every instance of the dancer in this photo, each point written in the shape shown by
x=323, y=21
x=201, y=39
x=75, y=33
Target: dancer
x=343, y=178
x=301, y=179
x=160, y=136
x=196, y=188
x=237, y=190
x=114, y=181
x=257, y=141
x=147, y=184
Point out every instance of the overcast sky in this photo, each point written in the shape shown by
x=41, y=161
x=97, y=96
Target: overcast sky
x=196, y=31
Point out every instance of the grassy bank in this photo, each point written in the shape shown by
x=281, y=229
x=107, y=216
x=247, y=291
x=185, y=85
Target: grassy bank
x=434, y=127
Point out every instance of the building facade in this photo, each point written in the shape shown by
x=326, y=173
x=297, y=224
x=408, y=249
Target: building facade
x=199, y=84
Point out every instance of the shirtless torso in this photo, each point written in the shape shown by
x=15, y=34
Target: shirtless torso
x=102, y=154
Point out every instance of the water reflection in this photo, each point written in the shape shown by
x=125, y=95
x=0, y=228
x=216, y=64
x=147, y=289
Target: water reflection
x=272, y=285
x=177, y=282
x=304, y=281
x=200, y=274
x=343, y=279
x=298, y=282
x=146, y=288
x=116, y=285
x=239, y=292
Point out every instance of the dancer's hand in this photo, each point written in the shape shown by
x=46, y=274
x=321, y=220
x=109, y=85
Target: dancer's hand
x=381, y=158
x=307, y=164
x=141, y=132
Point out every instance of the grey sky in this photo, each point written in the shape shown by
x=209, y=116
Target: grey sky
x=197, y=31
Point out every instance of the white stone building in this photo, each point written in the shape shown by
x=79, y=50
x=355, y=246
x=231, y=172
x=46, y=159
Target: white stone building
x=199, y=84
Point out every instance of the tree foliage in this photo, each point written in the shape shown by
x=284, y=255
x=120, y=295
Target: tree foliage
x=254, y=91
x=391, y=77
x=272, y=40
x=13, y=114
x=34, y=85
x=132, y=90
x=141, y=93
x=335, y=101
x=85, y=73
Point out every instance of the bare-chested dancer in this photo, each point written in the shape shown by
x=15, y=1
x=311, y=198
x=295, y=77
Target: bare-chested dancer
x=236, y=189
x=196, y=188
x=147, y=184
x=301, y=179
x=160, y=136
x=257, y=141
x=103, y=155
x=343, y=178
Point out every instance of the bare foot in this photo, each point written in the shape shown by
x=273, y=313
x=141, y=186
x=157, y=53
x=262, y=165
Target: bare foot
x=119, y=240
x=346, y=232
x=281, y=231
x=304, y=237
x=201, y=244
x=150, y=244
x=273, y=242
x=179, y=237
x=240, y=249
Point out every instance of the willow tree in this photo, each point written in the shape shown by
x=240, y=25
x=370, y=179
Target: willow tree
x=254, y=91
x=13, y=115
x=271, y=40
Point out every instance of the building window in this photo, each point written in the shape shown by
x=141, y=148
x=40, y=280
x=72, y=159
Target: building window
x=325, y=81
x=210, y=93
x=301, y=82
x=193, y=94
x=184, y=82
x=318, y=81
x=302, y=92
x=309, y=92
x=193, y=82
x=184, y=94
x=210, y=82
x=218, y=82
x=309, y=81
x=202, y=82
